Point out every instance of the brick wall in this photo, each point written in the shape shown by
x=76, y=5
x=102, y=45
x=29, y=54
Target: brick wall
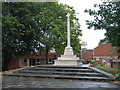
x=13, y=64
x=115, y=64
x=103, y=52
x=87, y=55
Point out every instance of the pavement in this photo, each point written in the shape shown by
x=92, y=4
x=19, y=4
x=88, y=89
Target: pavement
x=28, y=82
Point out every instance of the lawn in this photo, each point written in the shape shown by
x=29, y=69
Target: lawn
x=107, y=69
x=113, y=71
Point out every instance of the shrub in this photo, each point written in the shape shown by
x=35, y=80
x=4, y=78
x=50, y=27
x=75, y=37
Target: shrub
x=92, y=62
x=118, y=75
x=107, y=69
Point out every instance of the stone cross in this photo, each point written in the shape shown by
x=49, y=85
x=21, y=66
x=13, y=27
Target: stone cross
x=68, y=30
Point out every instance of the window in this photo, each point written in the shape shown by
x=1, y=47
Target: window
x=104, y=61
x=97, y=58
x=37, y=61
x=50, y=60
x=25, y=62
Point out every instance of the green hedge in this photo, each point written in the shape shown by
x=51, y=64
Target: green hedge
x=107, y=69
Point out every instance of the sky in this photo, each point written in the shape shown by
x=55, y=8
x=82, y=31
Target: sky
x=90, y=36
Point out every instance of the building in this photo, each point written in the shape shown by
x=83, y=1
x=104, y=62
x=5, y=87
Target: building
x=32, y=60
x=104, y=53
x=87, y=55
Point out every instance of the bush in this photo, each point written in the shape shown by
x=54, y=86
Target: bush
x=107, y=69
x=118, y=75
x=92, y=62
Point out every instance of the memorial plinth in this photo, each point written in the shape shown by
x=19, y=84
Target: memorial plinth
x=68, y=59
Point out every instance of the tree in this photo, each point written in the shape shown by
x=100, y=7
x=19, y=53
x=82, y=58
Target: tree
x=19, y=34
x=103, y=41
x=107, y=18
x=29, y=26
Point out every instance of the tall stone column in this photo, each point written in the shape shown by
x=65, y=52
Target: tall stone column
x=68, y=49
x=68, y=30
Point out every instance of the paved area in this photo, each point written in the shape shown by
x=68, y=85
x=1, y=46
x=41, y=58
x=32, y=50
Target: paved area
x=30, y=82
x=85, y=65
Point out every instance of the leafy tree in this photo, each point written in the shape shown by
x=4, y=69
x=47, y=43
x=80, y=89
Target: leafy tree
x=29, y=26
x=107, y=18
x=103, y=41
x=17, y=35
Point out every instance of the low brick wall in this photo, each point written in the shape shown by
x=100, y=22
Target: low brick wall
x=115, y=64
x=13, y=64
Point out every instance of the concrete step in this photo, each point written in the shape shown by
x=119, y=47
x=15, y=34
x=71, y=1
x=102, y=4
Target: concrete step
x=63, y=70
x=62, y=73
x=70, y=67
x=61, y=77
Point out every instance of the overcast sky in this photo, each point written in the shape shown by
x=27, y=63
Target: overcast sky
x=92, y=37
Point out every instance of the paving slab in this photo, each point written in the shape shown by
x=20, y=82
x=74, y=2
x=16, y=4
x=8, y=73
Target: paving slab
x=28, y=82
x=65, y=73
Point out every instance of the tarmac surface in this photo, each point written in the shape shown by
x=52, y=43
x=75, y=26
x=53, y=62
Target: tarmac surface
x=30, y=82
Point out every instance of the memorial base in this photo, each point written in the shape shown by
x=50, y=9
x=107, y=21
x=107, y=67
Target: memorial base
x=68, y=59
x=68, y=63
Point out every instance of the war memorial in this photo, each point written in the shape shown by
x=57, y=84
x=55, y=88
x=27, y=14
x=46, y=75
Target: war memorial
x=68, y=71
x=68, y=59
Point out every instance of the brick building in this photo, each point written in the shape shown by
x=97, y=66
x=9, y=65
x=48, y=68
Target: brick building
x=104, y=53
x=87, y=55
x=38, y=59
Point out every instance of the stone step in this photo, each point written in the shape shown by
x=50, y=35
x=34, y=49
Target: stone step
x=70, y=67
x=61, y=77
x=62, y=73
x=60, y=69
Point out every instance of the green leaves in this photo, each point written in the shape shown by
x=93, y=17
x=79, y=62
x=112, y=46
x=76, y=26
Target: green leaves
x=108, y=18
x=29, y=26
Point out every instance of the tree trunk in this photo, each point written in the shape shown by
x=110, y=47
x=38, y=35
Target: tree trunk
x=5, y=62
x=46, y=55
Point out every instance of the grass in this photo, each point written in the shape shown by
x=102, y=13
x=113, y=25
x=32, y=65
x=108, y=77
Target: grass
x=107, y=69
x=113, y=71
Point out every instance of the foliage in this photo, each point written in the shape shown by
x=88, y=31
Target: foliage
x=118, y=75
x=92, y=62
x=107, y=69
x=28, y=27
x=107, y=17
x=103, y=41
